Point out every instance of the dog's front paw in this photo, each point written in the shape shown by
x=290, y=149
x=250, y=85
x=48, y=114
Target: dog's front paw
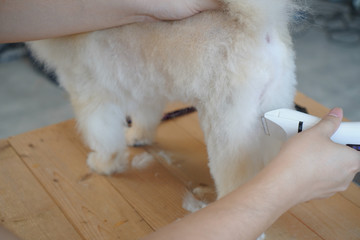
x=116, y=163
x=136, y=137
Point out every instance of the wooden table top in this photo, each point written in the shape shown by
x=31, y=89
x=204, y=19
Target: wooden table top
x=48, y=192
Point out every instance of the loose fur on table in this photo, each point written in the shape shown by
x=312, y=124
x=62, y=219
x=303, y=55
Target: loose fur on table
x=233, y=65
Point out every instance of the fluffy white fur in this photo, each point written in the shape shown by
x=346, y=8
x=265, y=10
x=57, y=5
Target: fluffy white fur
x=233, y=65
x=191, y=204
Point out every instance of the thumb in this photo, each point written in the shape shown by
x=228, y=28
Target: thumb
x=203, y=5
x=331, y=122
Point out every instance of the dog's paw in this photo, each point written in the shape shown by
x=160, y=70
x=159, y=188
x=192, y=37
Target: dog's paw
x=117, y=163
x=137, y=137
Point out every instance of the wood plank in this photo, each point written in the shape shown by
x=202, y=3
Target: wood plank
x=332, y=218
x=56, y=157
x=352, y=194
x=26, y=208
x=289, y=227
x=155, y=194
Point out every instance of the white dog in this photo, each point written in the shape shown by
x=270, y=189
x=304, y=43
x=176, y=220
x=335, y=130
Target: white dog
x=233, y=65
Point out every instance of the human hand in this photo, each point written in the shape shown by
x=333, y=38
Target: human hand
x=172, y=9
x=316, y=167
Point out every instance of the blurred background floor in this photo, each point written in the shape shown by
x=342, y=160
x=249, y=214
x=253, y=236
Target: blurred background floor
x=328, y=70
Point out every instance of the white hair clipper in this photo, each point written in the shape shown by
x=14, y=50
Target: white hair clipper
x=285, y=123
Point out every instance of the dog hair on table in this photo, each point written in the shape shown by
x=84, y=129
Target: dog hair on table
x=232, y=64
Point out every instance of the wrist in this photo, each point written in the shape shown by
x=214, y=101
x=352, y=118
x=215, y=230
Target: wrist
x=282, y=183
x=259, y=202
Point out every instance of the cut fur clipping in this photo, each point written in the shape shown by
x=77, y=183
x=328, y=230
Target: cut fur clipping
x=166, y=157
x=191, y=204
x=142, y=161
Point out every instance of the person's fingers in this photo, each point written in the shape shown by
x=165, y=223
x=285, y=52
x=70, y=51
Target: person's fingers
x=330, y=123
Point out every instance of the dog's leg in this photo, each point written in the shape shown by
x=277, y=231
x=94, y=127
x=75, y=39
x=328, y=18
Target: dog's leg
x=144, y=121
x=102, y=126
x=237, y=146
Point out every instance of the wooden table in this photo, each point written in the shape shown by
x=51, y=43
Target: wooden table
x=47, y=191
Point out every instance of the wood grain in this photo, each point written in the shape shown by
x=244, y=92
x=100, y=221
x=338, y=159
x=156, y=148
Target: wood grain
x=26, y=208
x=154, y=193
x=56, y=157
x=331, y=218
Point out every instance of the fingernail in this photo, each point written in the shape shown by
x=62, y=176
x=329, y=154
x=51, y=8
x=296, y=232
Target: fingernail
x=335, y=112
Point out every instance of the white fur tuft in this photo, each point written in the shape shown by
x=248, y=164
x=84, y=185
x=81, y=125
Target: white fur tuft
x=166, y=157
x=191, y=204
x=142, y=161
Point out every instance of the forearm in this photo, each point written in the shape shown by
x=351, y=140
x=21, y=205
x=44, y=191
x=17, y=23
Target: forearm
x=243, y=214
x=38, y=19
